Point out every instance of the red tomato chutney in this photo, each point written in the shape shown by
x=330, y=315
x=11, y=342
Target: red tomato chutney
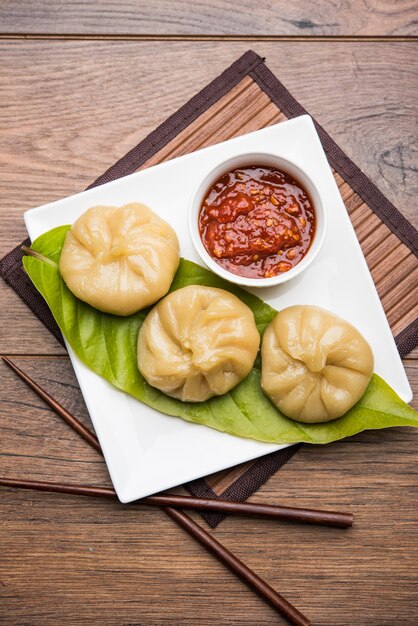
x=257, y=222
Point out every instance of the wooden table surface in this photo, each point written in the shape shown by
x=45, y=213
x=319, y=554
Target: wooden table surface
x=80, y=84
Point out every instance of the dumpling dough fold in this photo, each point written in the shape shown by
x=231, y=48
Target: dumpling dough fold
x=315, y=365
x=119, y=259
x=197, y=342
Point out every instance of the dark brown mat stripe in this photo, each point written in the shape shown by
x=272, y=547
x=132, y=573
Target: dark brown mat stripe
x=224, y=123
x=245, y=98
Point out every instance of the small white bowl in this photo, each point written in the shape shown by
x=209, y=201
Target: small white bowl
x=245, y=160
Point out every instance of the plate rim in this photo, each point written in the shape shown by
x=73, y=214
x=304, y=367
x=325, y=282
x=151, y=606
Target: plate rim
x=306, y=120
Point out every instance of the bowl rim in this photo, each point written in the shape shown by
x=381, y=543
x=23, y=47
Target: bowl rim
x=257, y=158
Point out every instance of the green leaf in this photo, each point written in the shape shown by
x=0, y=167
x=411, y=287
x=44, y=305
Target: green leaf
x=107, y=345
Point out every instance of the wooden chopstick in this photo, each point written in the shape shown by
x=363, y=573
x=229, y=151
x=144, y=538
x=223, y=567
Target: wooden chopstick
x=79, y=428
x=309, y=516
x=188, y=502
x=210, y=543
x=254, y=582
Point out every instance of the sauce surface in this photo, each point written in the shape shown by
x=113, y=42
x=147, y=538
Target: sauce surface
x=257, y=222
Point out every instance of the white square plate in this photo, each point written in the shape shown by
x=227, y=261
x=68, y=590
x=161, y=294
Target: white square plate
x=147, y=451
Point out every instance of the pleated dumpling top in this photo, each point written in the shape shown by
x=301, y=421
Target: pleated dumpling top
x=315, y=365
x=119, y=259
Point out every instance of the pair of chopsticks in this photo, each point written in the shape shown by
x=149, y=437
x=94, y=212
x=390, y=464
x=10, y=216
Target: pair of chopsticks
x=170, y=504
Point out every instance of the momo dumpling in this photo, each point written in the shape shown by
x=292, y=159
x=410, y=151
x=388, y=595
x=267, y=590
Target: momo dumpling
x=315, y=365
x=197, y=342
x=119, y=259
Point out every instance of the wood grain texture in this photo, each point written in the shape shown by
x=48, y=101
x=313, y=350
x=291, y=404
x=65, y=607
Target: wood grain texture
x=120, y=560
x=187, y=17
x=91, y=102
x=246, y=108
x=72, y=560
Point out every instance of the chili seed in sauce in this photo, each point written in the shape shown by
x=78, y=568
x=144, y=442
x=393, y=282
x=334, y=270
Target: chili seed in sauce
x=254, y=217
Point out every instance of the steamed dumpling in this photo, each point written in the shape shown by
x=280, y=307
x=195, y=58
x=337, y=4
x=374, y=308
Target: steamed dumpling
x=197, y=342
x=119, y=259
x=315, y=365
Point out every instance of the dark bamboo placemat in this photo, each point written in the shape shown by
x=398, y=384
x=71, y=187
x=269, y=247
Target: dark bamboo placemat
x=245, y=98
